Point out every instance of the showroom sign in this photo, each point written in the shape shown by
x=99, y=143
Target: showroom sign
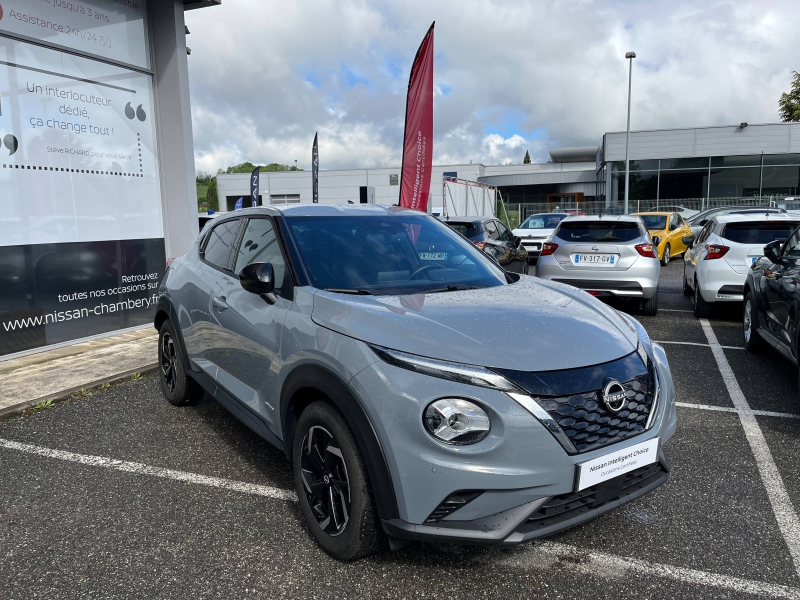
x=81, y=229
x=113, y=29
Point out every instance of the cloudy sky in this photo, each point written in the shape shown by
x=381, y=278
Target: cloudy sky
x=510, y=76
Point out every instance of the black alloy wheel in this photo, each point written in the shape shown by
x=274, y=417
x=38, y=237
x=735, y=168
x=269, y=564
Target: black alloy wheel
x=324, y=474
x=332, y=484
x=178, y=388
x=753, y=342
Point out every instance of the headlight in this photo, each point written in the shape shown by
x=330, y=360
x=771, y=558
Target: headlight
x=460, y=373
x=456, y=421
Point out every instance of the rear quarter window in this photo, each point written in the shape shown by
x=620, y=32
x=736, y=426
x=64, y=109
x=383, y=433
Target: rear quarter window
x=598, y=231
x=758, y=232
x=468, y=230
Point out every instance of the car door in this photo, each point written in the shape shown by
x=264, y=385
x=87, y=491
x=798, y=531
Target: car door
x=493, y=245
x=252, y=326
x=697, y=252
x=197, y=311
x=683, y=231
x=780, y=284
x=676, y=246
x=507, y=240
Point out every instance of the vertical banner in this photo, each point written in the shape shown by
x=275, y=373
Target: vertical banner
x=254, y=181
x=415, y=181
x=315, y=170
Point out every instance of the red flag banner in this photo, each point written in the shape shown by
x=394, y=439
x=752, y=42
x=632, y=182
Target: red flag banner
x=415, y=181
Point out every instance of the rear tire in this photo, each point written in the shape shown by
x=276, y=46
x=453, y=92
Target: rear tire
x=650, y=306
x=753, y=342
x=178, y=388
x=332, y=484
x=666, y=256
x=687, y=290
x=702, y=309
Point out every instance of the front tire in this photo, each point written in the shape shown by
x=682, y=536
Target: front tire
x=753, y=342
x=178, y=388
x=702, y=309
x=332, y=484
x=666, y=256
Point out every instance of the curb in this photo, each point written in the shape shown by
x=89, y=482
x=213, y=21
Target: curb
x=18, y=409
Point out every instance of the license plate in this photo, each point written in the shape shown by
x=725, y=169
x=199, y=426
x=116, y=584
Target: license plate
x=434, y=255
x=594, y=260
x=617, y=463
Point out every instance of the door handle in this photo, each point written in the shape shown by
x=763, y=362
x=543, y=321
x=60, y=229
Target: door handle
x=219, y=303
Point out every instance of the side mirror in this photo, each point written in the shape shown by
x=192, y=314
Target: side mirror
x=688, y=241
x=703, y=222
x=672, y=226
x=258, y=278
x=773, y=250
x=517, y=240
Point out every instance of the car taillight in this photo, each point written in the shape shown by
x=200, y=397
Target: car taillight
x=646, y=250
x=169, y=262
x=480, y=245
x=548, y=248
x=715, y=251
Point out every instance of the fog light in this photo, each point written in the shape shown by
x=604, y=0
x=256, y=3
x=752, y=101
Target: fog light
x=456, y=421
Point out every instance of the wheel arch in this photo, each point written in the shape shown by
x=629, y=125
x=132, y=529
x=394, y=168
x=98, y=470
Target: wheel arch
x=309, y=383
x=165, y=311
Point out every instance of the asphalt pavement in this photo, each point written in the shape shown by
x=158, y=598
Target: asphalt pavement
x=122, y=495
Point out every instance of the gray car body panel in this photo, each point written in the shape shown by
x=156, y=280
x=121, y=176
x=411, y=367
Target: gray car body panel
x=252, y=348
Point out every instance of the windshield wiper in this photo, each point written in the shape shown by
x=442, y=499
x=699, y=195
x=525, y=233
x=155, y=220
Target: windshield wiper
x=359, y=292
x=455, y=288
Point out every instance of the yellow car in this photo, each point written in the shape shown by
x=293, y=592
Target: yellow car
x=667, y=230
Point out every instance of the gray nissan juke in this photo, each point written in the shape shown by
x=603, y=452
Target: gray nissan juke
x=419, y=391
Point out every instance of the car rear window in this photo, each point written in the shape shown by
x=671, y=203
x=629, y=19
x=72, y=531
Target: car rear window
x=468, y=230
x=544, y=221
x=758, y=232
x=655, y=221
x=598, y=231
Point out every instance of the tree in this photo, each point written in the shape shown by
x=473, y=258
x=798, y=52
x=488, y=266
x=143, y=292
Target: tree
x=789, y=104
x=211, y=195
x=247, y=167
x=527, y=159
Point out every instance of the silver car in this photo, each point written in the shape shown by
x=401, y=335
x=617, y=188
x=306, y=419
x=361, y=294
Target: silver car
x=535, y=230
x=390, y=360
x=610, y=256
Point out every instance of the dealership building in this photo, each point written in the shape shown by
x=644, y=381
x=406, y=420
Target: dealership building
x=693, y=167
x=97, y=181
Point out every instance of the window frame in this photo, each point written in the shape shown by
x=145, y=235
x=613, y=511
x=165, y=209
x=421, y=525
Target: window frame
x=292, y=280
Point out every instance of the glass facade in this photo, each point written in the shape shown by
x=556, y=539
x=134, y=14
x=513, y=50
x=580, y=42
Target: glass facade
x=763, y=177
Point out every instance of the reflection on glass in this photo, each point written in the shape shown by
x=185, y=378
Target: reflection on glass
x=643, y=185
x=748, y=160
x=735, y=183
x=684, y=163
x=781, y=181
x=683, y=184
x=781, y=159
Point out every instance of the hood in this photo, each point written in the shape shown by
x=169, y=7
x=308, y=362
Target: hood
x=531, y=325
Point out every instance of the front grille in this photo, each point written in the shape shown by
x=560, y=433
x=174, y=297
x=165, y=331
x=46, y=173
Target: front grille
x=568, y=506
x=587, y=423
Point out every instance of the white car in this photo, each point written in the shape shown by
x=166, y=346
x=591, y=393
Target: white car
x=536, y=230
x=686, y=213
x=716, y=264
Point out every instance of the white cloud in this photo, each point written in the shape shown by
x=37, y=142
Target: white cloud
x=510, y=76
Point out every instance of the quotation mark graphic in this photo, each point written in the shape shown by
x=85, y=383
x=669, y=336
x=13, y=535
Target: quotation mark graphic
x=11, y=142
x=140, y=114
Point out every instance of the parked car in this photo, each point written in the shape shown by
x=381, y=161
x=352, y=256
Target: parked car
x=698, y=221
x=403, y=387
x=535, y=230
x=686, y=213
x=717, y=263
x=606, y=256
x=495, y=239
x=667, y=230
x=772, y=300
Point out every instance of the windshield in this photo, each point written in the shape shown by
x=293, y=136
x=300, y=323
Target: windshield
x=654, y=221
x=760, y=233
x=545, y=221
x=400, y=253
x=598, y=231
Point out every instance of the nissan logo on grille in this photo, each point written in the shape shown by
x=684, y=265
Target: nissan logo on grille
x=614, y=396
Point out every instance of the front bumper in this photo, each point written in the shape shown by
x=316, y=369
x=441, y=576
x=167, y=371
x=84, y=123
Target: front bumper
x=542, y=517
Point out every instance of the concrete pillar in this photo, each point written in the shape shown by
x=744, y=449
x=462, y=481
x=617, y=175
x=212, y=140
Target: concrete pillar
x=175, y=140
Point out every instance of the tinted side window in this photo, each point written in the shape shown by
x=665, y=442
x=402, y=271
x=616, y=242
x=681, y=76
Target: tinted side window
x=491, y=230
x=704, y=233
x=220, y=241
x=791, y=249
x=468, y=230
x=505, y=234
x=260, y=244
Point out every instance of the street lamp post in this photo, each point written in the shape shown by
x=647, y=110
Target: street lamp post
x=630, y=56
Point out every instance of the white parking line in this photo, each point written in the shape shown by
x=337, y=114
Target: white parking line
x=537, y=556
x=758, y=413
x=674, y=310
x=140, y=469
x=773, y=482
x=604, y=564
x=698, y=344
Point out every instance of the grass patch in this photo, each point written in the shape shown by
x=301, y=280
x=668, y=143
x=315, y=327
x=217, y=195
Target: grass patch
x=44, y=404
